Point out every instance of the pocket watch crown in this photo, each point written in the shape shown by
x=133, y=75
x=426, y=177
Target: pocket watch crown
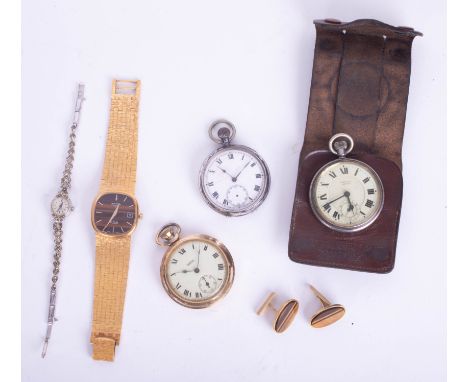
x=168, y=234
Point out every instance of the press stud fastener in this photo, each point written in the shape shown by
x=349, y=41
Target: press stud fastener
x=328, y=314
x=284, y=315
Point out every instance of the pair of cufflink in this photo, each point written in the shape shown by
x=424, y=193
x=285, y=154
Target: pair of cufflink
x=284, y=316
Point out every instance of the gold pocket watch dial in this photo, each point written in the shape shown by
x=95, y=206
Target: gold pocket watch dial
x=197, y=270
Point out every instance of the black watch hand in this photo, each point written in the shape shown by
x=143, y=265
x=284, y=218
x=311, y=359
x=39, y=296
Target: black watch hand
x=240, y=172
x=223, y=170
x=206, y=282
x=334, y=200
x=351, y=207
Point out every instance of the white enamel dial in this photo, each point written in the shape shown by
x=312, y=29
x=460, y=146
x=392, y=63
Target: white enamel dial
x=346, y=195
x=197, y=270
x=234, y=180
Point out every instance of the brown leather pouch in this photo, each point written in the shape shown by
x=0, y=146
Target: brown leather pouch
x=360, y=85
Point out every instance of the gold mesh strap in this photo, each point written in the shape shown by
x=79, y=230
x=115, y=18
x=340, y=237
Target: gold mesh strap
x=119, y=172
x=113, y=253
x=110, y=282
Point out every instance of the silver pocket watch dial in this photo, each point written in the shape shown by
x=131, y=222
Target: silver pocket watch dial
x=346, y=195
x=234, y=180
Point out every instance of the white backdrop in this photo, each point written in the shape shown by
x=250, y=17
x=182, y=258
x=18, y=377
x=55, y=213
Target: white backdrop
x=249, y=62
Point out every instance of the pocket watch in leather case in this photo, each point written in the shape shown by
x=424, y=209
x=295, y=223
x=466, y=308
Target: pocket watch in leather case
x=341, y=217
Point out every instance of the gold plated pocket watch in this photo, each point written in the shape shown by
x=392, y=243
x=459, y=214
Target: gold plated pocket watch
x=197, y=270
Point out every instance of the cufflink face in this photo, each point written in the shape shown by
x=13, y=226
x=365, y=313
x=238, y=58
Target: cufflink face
x=328, y=314
x=284, y=315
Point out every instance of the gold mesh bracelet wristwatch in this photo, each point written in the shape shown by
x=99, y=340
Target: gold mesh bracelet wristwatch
x=114, y=217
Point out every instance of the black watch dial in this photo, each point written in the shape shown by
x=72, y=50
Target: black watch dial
x=115, y=214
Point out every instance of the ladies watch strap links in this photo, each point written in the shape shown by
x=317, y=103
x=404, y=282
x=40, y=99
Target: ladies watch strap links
x=113, y=253
x=360, y=85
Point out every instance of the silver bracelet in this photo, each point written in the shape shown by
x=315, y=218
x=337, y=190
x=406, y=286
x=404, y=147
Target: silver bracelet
x=61, y=207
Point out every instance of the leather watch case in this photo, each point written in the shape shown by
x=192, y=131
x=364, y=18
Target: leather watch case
x=359, y=87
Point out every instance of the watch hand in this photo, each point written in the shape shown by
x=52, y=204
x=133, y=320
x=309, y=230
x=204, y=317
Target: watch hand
x=223, y=170
x=243, y=168
x=334, y=200
x=182, y=271
x=351, y=207
x=206, y=282
x=198, y=258
x=112, y=217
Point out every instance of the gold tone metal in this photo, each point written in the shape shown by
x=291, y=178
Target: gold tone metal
x=168, y=235
x=113, y=252
x=174, y=246
x=328, y=314
x=119, y=173
x=284, y=315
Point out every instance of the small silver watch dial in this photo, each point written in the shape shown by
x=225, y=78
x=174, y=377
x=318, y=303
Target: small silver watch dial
x=346, y=195
x=61, y=206
x=234, y=180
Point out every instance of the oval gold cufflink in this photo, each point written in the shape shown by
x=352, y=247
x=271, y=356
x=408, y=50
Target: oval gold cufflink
x=284, y=315
x=328, y=314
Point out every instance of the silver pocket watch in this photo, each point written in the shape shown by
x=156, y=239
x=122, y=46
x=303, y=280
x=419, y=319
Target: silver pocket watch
x=234, y=179
x=346, y=194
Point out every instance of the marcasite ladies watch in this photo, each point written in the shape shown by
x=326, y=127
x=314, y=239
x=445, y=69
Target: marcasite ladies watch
x=234, y=179
x=196, y=270
x=114, y=217
x=61, y=207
